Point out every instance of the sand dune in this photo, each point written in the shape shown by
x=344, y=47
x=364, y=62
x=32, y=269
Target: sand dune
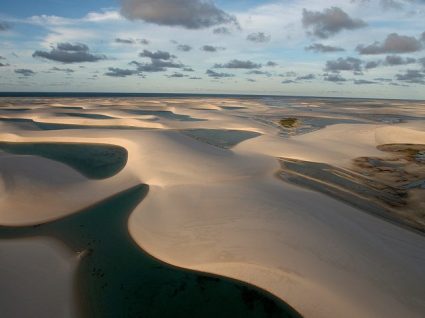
x=224, y=211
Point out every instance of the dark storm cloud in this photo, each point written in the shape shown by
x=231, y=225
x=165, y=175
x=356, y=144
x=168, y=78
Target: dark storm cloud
x=184, y=47
x=334, y=78
x=306, y=77
x=363, y=82
x=124, y=41
x=412, y=76
x=195, y=78
x=159, y=55
x=329, y=22
x=3, y=65
x=238, y=64
x=215, y=74
x=251, y=80
x=288, y=82
x=392, y=60
x=322, y=48
x=188, y=69
x=344, y=64
x=69, y=53
x=258, y=37
x=394, y=43
x=191, y=14
x=372, y=64
x=4, y=26
x=25, y=72
x=222, y=30
x=422, y=62
x=211, y=48
x=119, y=72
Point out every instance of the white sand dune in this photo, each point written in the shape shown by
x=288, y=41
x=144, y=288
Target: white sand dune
x=225, y=212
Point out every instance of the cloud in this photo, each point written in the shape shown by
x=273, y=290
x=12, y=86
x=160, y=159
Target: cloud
x=190, y=14
x=176, y=75
x=69, y=53
x=306, y=77
x=288, y=74
x=211, y=48
x=188, y=69
x=25, y=72
x=238, y=64
x=363, y=82
x=215, y=74
x=66, y=70
x=3, y=65
x=4, y=26
x=124, y=41
x=258, y=37
x=383, y=79
x=184, y=47
x=222, y=30
x=412, y=76
x=258, y=72
x=372, y=64
x=422, y=62
x=288, y=81
x=389, y=4
x=392, y=60
x=158, y=55
x=344, y=64
x=271, y=64
x=144, y=41
x=156, y=65
x=334, y=78
x=322, y=48
x=119, y=72
x=78, y=47
x=329, y=22
x=394, y=43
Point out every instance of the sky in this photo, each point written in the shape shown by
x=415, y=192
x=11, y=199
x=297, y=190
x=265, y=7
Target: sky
x=352, y=48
